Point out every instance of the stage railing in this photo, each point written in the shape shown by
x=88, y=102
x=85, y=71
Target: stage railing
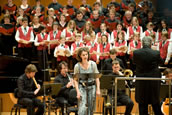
x=139, y=78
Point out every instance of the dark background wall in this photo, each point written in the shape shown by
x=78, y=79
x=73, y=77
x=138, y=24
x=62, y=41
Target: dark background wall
x=164, y=9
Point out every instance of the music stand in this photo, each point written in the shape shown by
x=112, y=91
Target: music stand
x=108, y=82
x=50, y=89
x=86, y=77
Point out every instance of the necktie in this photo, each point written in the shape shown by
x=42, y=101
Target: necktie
x=54, y=34
x=25, y=31
x=163, y=43
x=136, y=43
x=104, y=45
x=77, y=44
x=43, y=35
x=164, y=30
x=135, y=28
x=62, y=46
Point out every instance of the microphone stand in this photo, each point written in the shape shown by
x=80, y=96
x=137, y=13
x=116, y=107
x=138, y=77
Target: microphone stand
x=45, y=60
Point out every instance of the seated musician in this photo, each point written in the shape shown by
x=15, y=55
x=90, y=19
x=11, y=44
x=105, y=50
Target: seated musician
x=27, y=92
x=168, y=74
x=107, y=66
x=122, y=97
x=165, y=100
x=67, y=85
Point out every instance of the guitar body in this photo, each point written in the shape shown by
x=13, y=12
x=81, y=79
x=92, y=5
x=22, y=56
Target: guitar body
x=165, y=107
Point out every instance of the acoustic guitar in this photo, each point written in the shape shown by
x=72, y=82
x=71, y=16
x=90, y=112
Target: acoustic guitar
x=165, y=107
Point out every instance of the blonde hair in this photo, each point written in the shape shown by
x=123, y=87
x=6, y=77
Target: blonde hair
x=136, y=34
x=165, y=34
x=71, y=22
x=77, y=35
x=19, y=19
x=51, y=9
x=135, y=19
x=90, y=27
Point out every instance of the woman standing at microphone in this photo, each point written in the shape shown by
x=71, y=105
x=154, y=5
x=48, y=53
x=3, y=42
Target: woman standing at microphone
x=85, y=66
x=27, y=92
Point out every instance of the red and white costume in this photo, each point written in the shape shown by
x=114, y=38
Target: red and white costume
x=61, y=47
x=132, y=29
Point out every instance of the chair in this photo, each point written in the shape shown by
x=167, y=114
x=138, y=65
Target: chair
x=17, y=106
x=66, y=105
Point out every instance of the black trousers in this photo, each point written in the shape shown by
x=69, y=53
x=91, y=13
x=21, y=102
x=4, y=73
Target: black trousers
x=31, y=104
x=123, y=99
x=42, y=59
x=52, y=59
x=143, y=109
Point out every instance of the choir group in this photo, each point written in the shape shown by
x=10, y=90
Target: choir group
x=56, y=32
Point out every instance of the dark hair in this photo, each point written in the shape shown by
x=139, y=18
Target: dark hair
x=24, y=19
x=41, y=27
x=115, y=62
x=96, y=3
x=78, y=12
x=6, y=16
x=122, y=36
x=113, y=51
x=104, y=36
x=30, y=68
x=119, y=23
x=167, y=71
x=110, y=5
x=61, y=16
x=78, y=55
x=62, y=63
x=160, y=25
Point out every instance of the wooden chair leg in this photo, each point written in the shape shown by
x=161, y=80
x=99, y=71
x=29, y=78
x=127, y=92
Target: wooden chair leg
x=12, y=111
x=19, y=111
x=16, y=111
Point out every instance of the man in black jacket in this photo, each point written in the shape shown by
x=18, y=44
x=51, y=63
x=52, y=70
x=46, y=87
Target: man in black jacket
x=67, y=90
x=107, y=66
x=27, y=91
x=147, y=92
x=122, y=98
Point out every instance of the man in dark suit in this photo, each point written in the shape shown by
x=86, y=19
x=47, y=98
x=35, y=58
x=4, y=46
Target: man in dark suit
x=122, y=98
x=107, y=66
x=27, y=91
x=67, y=90
x=147, y=92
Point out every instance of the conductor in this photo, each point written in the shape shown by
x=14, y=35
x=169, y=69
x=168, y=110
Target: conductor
x=147, y=92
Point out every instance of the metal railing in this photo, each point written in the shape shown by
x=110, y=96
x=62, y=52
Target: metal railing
x=139, y=78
